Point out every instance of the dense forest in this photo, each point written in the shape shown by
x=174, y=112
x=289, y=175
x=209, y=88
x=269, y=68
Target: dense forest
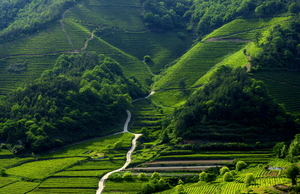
x=83, y=96
x=233, y=107
x=281, y=48
x=207, y=15
x=23, y=17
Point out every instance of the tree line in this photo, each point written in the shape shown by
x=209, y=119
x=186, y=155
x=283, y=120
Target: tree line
x=84, y=95
x=203, y=16
x=22, y=17
x=281, y=49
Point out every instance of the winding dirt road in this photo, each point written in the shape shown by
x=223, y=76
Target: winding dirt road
x=101, y=184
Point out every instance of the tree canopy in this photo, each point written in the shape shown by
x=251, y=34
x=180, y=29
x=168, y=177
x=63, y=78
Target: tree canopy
x=82, y=96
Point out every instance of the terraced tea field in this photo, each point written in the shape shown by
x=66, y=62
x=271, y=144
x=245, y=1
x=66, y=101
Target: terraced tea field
x=283, y=86
x=196, y=63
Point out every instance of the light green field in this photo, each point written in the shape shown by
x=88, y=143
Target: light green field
x=63, y=190
x=131, y=186
x=42, y=169
x=19, y=188
x=196, y=62
x=245, y=26
x=120, y=14
x=6, y=181
x=93, y=148
x=70, y=182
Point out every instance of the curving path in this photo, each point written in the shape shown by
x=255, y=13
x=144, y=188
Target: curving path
x=101, y=185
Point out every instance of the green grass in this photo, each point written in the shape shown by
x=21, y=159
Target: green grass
x=175, y=99
x=196, y=62
x=42, y=169
x=70, y=182
x=19, y=188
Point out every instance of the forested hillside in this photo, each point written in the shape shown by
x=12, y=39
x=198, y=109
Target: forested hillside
x=233, y=107
x=83, y=96
x=23, y=17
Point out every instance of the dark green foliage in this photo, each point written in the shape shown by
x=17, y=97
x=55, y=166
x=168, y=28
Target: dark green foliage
x=233, y=107
x=165, y=14
x=210, y=14
x=23, y=17
x=292, y=172
x=250, y=179
x=240, y=165
x=83, y=96
x=280, y=149
x=3, y=172
x=282, y=48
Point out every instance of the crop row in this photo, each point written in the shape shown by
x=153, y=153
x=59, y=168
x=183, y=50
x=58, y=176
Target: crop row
x=242, y=25
x=123, y=186
x=81, y=173
x=63, y=190
x=205, y=189
x=19, y=187
x=98, y=165
x=42, y=169
x=196, y=62
x=70, y=182
x=283, y=93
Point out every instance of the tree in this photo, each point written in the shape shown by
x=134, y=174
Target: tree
x=3, y=172
x=292, y=172
x=277, y=149
x=249, y=179
x=240, y=165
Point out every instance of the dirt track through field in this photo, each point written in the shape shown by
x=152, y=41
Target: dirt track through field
x=101, y=184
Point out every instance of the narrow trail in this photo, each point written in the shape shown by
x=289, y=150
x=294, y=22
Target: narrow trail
x=63, y=25
x=101, y=183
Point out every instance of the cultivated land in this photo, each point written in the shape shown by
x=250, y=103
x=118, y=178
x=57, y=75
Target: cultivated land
x=115, y=28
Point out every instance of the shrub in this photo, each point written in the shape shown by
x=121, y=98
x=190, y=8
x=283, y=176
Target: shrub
x=115, y=177
x=227, y=177
x=142, y=176
x=127, y=176
x=240, y=165
x=223, y=170
x=3, y=172
x=155, y=175
x=202, y=176
x=249, y=179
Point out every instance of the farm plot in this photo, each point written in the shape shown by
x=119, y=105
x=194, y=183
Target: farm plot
x=244, y=25
x=62, y=191
x=284, y=93
x=196, y=62
x=131, y=186
x=163, y=47
x=42, y=169
x=20, y=187
x=124, y=15
x=4, y=181
x=79, y=182
x=94, y=148
x=205, y=189
x=131, y=65
x=81, y=173
x=98, y=165
x=51, y=40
